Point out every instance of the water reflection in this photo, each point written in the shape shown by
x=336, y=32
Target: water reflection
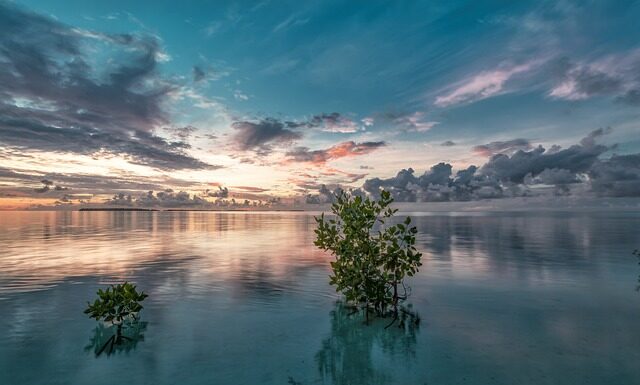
x=636, y=252
x=543, y=248
x=243, y=298
x=256, y=251
x=103, y=339
x=352, y=354
x=268, y=253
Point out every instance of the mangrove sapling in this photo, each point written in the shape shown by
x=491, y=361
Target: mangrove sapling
x=370, y=264
x=400, y=259
x=117, y=305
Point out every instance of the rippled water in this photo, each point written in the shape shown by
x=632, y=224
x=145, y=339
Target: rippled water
x=243, y=298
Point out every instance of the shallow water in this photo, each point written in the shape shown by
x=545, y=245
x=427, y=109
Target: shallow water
x=243, y=298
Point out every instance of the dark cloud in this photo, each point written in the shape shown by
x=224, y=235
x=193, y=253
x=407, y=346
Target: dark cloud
x=221, y=192
x=448, y=143
x=198, y=74
x=334, y=122
x=54, y=98
x=433, y=185
x=559, y=177
x=340, y=150
x=260, y=135
x=590, y=140
x=513, y=175
x=577, y=158
x=631, y=97
x=184, y=133
x=618, y=176
x=616, y=76
x=555, y=176
x=324, y=195
x=593, y=82
x=42, y=189
x=505, y=147
x=183, y=200
x=167, y=199
x=330, y=122
x=46, y=186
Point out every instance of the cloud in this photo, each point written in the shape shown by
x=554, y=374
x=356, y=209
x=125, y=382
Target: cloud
x=409, y=122
x=324, y=195
x=167, y=199
x=198, y=74
x=631, y=97
x=559, y=177
x=170, y=199
x=340, y=150
x=415, y=122
x=618, y=176
x=221, y=192
x=42, y=189
x=555, y=176
x=506, y=175
x=260, y=135
x=584, y=82
x=590, y=140
x=289, y=22
x=48, y=185
x=481, y=86
x=433, y=185
x=576, y=158
x=502, y=147
x=53, y=96
x=239, y=95
x=250, y=189
x=333, y=122
x=368, y=122
x=612, y=75
x=83, y=183
x=184, y=133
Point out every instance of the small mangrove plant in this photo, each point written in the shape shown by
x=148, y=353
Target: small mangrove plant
x=372, y=256
x=117, y=305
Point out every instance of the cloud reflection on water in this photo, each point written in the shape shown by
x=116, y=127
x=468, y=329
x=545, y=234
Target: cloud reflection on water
x=243, y=298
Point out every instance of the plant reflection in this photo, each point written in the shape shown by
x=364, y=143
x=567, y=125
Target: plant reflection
x=103, y=339
x=351, y=355
x=636, y=252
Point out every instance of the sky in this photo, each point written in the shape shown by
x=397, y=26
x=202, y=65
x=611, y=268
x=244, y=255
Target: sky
x=195, y=103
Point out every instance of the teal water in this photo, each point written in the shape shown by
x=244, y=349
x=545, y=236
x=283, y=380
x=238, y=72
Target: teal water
x=243, y=298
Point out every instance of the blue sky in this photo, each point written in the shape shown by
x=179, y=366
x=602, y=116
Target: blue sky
x=269, y=88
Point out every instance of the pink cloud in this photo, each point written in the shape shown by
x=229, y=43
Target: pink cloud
x=480, y=86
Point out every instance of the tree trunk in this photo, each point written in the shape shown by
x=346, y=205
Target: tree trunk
x=395, y=297
x=119, y=333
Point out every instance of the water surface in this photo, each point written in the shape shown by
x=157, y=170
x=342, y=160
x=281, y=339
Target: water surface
x=243, y=298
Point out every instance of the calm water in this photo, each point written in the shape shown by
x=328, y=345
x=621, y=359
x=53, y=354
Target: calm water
x=242, y=298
